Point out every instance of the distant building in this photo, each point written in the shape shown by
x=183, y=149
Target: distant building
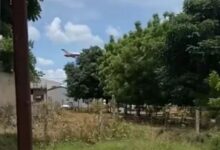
x=44, y=89
x=50, y=90
x=58, y=95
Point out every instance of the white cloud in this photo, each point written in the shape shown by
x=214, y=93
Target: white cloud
x=113, y=31
x=72, y=33
x=33, y=33
x=58, y=75
x=44, y=62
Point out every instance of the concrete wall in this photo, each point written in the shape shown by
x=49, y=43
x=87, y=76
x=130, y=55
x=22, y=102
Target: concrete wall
x=58, y=95
x=7, y=89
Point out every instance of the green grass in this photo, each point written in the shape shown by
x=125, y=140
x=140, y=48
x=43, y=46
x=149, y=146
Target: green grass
x=8, y=142
x=132, y=144
x=141, y=137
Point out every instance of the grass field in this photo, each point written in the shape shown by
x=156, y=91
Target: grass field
x=9, y=143
x=132, y=144
x=81, y=126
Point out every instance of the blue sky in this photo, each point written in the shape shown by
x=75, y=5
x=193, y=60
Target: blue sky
x=78, y=24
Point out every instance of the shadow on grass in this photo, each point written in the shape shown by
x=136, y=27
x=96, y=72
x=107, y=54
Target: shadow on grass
x=8, y=142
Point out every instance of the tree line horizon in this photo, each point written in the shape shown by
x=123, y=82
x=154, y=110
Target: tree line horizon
x=168, y=61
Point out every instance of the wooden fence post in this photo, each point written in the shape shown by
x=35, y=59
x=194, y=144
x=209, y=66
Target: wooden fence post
x=197, y=120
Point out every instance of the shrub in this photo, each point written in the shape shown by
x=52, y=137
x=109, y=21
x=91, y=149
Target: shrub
x=97, y=106
x=7, y=117
x=54, y=124
x=215, y=143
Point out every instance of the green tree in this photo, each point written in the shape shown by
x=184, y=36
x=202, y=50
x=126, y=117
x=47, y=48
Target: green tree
x=166, y=62
x=82, y=77
x=214, y=83
x=6, y=45
x=34, y=74
x=129, y=67
x=6, y=54
x=6, y=57
x=34, y=10
x=192, y=51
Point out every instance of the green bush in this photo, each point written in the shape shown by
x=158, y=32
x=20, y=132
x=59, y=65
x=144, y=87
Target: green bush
x=215, y=143
x=7, y=60
x=6, y=54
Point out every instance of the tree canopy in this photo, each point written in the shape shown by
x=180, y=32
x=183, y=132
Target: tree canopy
x=6, y=44
x=168, y=61
x=82, y=76
x=33, y=12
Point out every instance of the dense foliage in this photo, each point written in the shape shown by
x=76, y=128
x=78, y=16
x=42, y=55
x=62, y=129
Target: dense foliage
x=166, y=62
x=82, y=76
x=33, y=12
x=6, y=57
x=6, y=44
x=214, y=83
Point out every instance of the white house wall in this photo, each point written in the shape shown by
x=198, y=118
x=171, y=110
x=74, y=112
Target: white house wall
x=57, y=95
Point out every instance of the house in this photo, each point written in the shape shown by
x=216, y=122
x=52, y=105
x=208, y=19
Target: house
x=49, y=90
x=44, y=89
x=40, y=91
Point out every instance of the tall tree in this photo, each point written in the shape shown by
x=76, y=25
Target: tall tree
x=192, y=51
x=214, y=83
x=6, y=57
x=6, y=45
x=129, y=67
x=33, y=7
x=82, y=77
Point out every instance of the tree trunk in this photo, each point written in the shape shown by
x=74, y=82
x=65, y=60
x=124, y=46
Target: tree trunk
x=146, y=111
x=138, y=109
x=130, y=109
x=118, y=109
x=88, y=107
x=78, y=104
x=125, y=109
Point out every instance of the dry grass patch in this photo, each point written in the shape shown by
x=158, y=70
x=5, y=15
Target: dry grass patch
x=56, y=125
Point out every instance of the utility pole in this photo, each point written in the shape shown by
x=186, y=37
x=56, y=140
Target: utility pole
x=22, y=82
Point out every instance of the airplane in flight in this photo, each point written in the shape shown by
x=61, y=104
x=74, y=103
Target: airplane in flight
x=68, y=54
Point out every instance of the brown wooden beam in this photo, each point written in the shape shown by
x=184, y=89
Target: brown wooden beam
x=21, y=68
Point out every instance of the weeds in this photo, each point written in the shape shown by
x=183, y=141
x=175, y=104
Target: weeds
x=7, y=117
x=52, y=124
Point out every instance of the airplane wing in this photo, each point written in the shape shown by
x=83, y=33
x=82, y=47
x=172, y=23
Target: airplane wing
x=65, y=51
x=68, y=54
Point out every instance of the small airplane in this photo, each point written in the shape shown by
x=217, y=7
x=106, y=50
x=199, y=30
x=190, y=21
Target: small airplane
x=68, y=54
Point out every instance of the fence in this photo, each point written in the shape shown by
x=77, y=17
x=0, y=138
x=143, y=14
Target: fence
x=168, y=116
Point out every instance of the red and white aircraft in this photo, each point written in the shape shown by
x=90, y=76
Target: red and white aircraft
x=68, y=54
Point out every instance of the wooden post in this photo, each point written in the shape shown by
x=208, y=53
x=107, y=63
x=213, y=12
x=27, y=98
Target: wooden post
x=113, y=103
x=78, y=105
x=138, y=110
x=125, y=109
x=197, y=120
x=21, y=68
